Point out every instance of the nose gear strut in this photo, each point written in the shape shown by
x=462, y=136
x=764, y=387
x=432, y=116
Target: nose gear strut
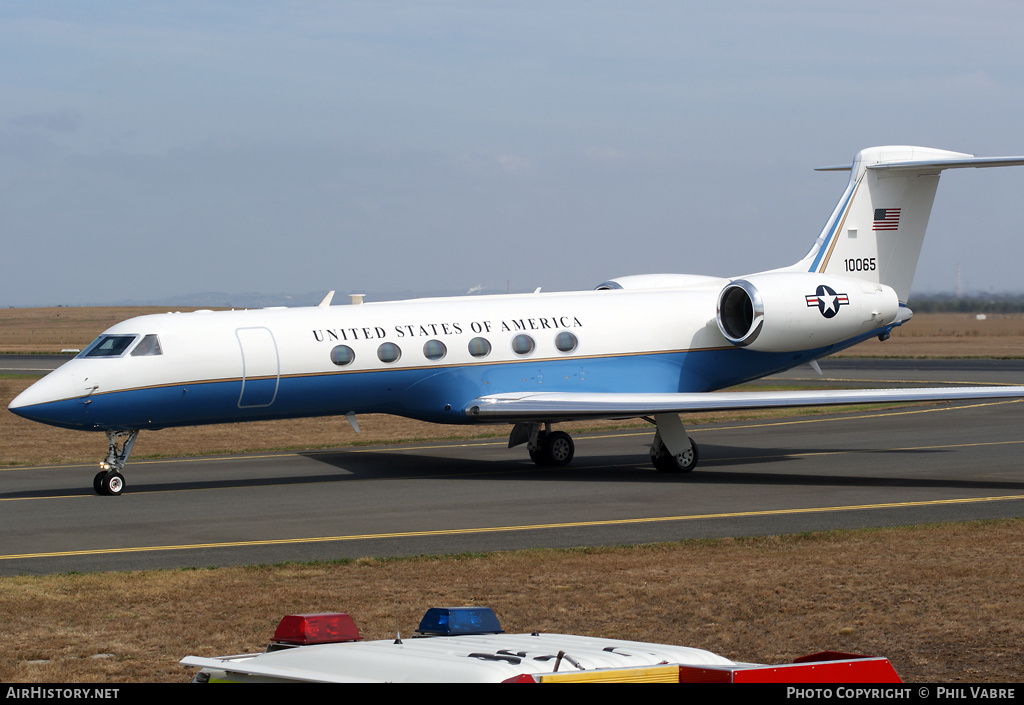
x=109, y=480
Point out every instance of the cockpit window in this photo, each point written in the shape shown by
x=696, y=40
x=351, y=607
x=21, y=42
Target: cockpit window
x=150, y=345
x=108, y=346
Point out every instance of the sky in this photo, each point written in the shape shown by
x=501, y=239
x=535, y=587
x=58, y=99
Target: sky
x=156, y=149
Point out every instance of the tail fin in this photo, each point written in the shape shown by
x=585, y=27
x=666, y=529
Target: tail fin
x=876, y=230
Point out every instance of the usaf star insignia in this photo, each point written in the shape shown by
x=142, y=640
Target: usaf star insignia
x=827, y=301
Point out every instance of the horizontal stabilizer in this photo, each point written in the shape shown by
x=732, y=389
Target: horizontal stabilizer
x=940, y=164
x=565, y=406
x=936, y=164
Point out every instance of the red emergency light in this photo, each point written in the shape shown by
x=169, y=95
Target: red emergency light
x=319, y=628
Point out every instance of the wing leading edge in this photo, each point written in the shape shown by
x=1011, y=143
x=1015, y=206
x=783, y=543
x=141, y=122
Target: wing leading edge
x=564, y=406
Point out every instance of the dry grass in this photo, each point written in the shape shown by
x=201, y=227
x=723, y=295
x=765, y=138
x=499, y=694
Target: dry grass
x=50, y=330
x=950, y=335
x=942, y=603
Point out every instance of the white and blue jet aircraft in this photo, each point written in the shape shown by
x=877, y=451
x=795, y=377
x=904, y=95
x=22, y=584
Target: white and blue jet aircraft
x=651, y=346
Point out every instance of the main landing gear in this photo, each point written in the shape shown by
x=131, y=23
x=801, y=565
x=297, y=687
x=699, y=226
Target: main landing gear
x=547, y=448
x=109, y=481
x=553, y=448
x=672, y=450
x=664, y=461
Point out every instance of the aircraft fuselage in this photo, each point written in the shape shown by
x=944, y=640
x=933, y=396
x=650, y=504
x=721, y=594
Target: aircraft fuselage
x=423, y=358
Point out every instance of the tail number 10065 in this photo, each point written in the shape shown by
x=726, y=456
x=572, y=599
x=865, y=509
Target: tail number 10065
x=860, y=264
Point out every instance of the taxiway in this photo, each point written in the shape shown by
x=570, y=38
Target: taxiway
x=870, y=467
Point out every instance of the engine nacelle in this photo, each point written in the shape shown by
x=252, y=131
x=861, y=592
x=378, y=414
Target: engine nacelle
x=789, y=311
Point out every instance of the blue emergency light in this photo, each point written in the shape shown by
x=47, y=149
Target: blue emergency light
x=459, y=621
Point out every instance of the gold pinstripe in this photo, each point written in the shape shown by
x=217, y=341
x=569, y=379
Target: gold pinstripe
x=839, y=227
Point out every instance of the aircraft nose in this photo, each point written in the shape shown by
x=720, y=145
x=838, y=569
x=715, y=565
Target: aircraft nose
x=55, y=400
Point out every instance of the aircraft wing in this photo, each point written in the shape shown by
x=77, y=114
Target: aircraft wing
x=564, y=406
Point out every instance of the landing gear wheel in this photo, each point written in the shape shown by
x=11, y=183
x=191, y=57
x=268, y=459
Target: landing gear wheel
x=553, y=449
x=112, y=483
x=559, y=448
x=665, y=462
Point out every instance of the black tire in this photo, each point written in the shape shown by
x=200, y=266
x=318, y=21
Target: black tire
x=684, y=462
x=554, y=450
x=97, y=482
x=113, y=483
x=559, y=449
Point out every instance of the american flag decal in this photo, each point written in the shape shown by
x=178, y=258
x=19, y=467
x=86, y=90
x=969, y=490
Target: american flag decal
x=886, y=219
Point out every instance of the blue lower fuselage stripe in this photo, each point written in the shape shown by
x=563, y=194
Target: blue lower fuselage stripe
x=436, y=394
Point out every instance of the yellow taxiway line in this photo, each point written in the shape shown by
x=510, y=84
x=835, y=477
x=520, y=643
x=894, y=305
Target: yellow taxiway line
x=503, y=529
x=565, y=525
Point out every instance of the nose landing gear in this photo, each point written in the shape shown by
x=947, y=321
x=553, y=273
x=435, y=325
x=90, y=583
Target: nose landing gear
x=109, y=481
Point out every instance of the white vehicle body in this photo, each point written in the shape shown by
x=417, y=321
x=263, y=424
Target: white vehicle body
x=489, y=658
x=522, y=658
x=648, y=345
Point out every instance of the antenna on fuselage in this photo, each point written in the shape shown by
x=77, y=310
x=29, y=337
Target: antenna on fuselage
x=327, y=299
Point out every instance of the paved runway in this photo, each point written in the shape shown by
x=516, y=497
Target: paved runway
x=864, y=468
x=31, y=364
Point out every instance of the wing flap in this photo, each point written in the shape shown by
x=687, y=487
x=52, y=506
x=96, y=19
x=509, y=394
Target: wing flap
x=565, y=406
